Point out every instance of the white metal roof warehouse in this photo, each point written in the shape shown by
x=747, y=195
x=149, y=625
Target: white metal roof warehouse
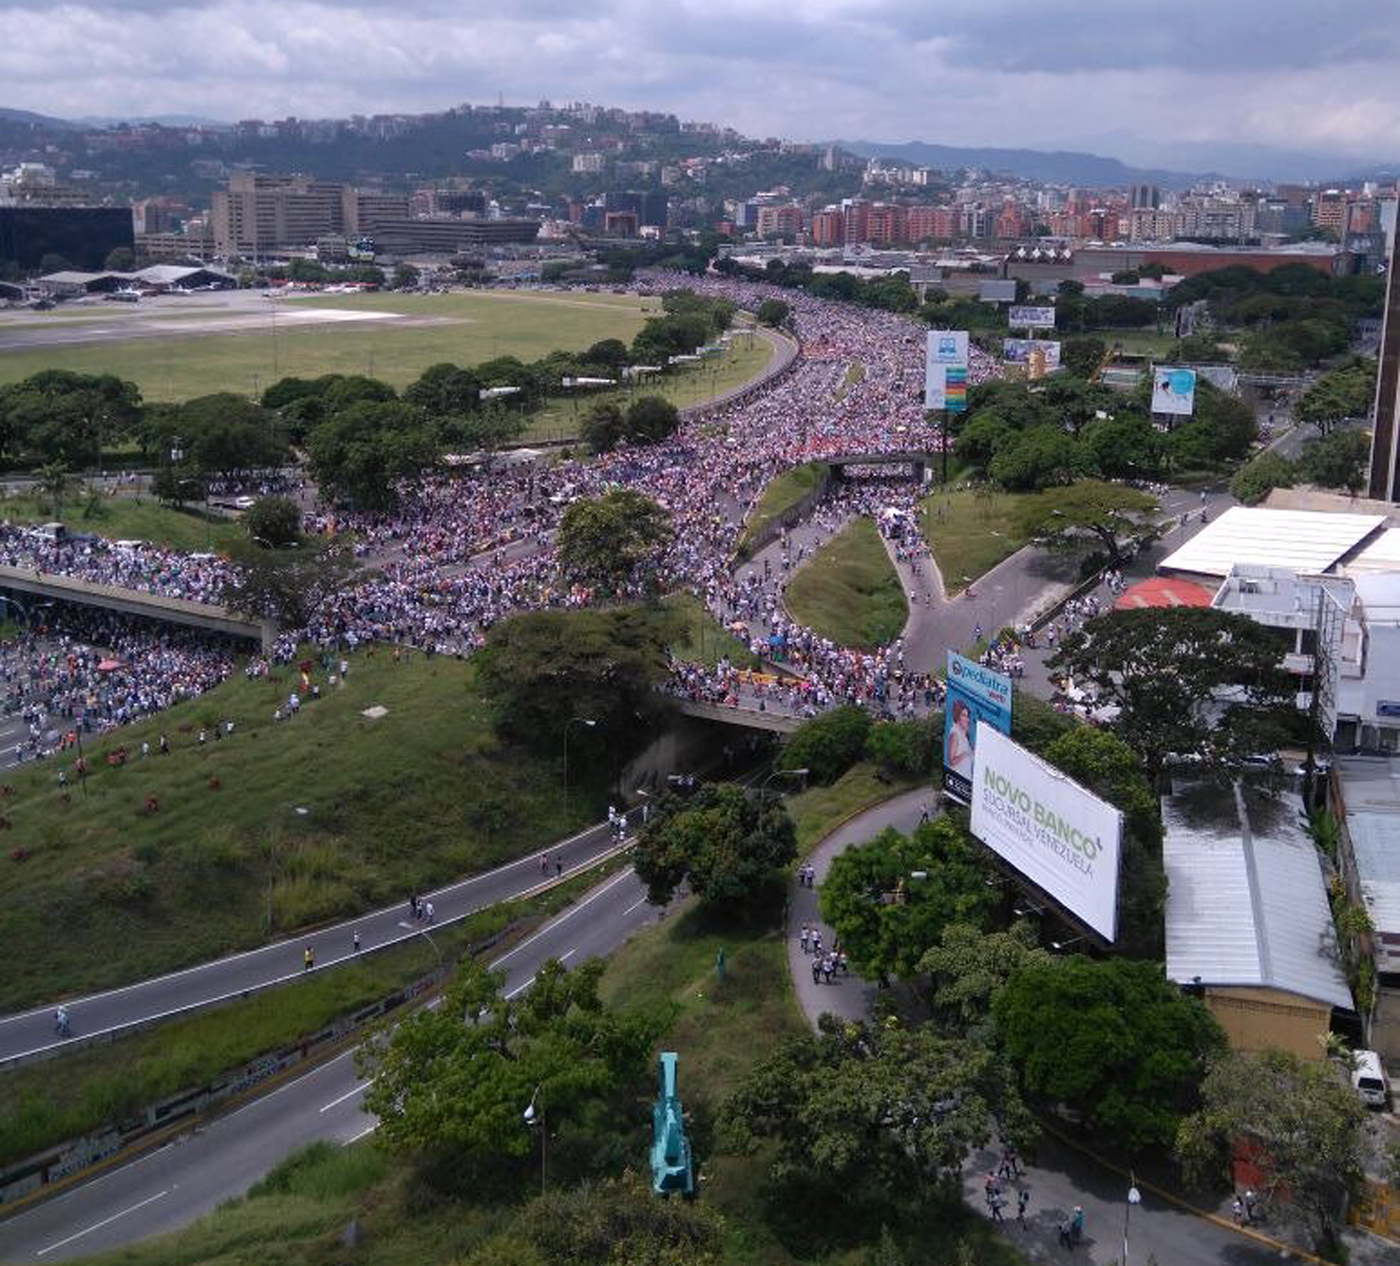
x=1300, y=540
x=1247, y=915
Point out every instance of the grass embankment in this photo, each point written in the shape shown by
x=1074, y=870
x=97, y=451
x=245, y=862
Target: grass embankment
x=819, y=810
x=782, y=493
x=685, y=387
x=465, y=328
x=72, y=1095
x=334, y=811
x=1135, y=342
x=127, y=518
x=970, y=532
x=703, y=639
x=848, y=590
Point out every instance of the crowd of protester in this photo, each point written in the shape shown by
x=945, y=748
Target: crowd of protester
x=461, y=551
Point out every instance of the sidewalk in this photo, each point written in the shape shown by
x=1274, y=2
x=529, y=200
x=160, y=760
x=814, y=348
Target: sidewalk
x=1062, y=1178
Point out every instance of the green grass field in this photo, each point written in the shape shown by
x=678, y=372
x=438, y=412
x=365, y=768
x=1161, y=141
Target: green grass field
x=479, y=325
x=127, y=518
x=421, y=795
x=684, y=387
x=849, y=591
x=782, y=493
x=1137, y=342
x=703, y=641
x=971, y=532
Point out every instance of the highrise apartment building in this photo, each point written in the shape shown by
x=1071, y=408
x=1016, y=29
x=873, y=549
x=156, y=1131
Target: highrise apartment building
x=259, y=213
x=1384, y=483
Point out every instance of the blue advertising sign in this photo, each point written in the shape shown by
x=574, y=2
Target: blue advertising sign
x=975, y=695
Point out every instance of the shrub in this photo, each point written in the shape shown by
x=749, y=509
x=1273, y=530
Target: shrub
x=828, y=745
x=902, y=747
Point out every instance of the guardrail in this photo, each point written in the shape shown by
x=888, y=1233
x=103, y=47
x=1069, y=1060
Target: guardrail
x=67, y=1163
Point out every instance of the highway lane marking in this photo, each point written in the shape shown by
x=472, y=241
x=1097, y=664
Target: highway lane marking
x=585, y=865
x=349, y=1094
x=567, y=954
x=342, y=928
x=355, y=1138
x=97, y=1226
x=519, y=989
x=633, y=906
x=568, y=914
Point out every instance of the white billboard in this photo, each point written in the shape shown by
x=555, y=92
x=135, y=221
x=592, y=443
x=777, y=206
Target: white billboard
x=945, y=348
x=1173, y=390
x=1030, y=317
x=1064, y=839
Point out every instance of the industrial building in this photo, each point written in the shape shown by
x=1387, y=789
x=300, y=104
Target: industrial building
x=1248, y=923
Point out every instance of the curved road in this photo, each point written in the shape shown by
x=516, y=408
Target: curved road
x=30, y=1032
x=186, y=1178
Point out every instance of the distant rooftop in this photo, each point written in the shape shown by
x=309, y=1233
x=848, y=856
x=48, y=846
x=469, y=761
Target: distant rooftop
x=1371, y=794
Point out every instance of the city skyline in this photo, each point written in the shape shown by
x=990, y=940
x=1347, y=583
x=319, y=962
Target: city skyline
x=1228, y=88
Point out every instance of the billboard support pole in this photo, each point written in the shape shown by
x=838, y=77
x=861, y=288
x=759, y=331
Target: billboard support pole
x=943, y=424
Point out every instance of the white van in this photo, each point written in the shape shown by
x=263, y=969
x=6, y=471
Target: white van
x=1369, y=1079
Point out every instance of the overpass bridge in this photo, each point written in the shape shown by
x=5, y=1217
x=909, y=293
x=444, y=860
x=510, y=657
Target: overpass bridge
x=919, y=459
x=748, y=718
x=25, y=584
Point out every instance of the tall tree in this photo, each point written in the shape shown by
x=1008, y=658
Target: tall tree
x=454, y=1080
x=726, y=845
x=1191, y=682
x=858, y=1109
x=1114, y=1040
x=1307, y=1125
x=287, y=585
x=360, y=453
x=613, y=541
x=968, y=966
x=1089, y=513
x=1338, y=394
x=890, y=900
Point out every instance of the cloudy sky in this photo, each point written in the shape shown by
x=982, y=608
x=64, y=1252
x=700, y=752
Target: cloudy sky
x=1137, y=78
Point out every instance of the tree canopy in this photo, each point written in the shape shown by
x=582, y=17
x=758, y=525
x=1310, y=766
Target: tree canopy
x=287, y=585
x=454, y=1080
x=1114, y=1040
x=1192, y=682
x=541, y=669
x=826, y=746
x=361, y=452
x=889, y=900
x=1308, y=1125
x=1338, y=394
x=857, y=1108
x=60, y=416
x=1089, y=513
x=613, y=541
x=725, y=844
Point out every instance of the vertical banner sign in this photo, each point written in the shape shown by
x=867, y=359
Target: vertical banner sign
x=976, y=695
x=1173, y=390
x=944, y=348
x=955, y=388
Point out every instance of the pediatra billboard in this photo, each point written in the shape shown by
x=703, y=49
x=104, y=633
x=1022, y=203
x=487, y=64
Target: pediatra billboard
x=1020, y=350
x=1173, y=390
x=1062, y=838
x=978, y=700
x=1028, y=317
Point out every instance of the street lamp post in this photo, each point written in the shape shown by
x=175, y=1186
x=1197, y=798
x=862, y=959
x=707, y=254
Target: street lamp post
x=590, y=723
x=781, y=773
x=1134, y=1197
x=531, y=1116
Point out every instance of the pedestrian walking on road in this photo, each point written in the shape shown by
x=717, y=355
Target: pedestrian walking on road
x=428, y=911
x=1251, y=1202
x=544, y=863
x=1065, y=1233
x=558, y=867
x=308, y=959
x=357, y=940
x=1076, y=1225
x=1237, y=1211
x=816, y=970
x=1023, y=1198
x=805, y=935
x=60, y=1022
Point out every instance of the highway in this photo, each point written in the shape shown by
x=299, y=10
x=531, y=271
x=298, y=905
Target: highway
x=190, y=1176
x=30, y=1032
